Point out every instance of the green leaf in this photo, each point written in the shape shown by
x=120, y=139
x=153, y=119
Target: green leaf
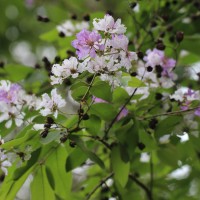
x=120, y=168
x=169, y=155
x=17, y=73
x=52, y=136
x=119, y=95
x=104, y=111
x=40, y=188
x=102, y=90
x=132, y=81
x=50, y=36
x=76, y=158
x=93, y=125
x=59, y=179
x=78, y=93
x=167, y=125
x=85, y=150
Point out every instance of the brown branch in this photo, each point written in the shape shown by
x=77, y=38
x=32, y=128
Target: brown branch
x=98, y=186
x=114, y=120
x=141, y=185
x=169, y=113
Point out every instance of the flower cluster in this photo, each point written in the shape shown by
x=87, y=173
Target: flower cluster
x=186, y=97
x=103, y=50
x=69, y=28
x=4, y=163
x=13, y=99
x=50, y=105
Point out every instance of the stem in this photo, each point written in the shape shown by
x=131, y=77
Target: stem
x=151, y=175
x=144, y=187
x=113, y=121
x=170, y=113
x=98, y=186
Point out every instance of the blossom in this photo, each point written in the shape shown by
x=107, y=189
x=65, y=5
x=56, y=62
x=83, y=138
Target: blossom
x=11, y=113
x=69, y=28
x=4, y=163
x=9, y=92
x=154, y=57
x=69, y=67
x=87, y=43
x=51, y=104
x=108, y=25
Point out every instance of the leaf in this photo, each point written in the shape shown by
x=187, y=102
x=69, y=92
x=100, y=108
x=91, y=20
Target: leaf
x=52, y=136
x=78, y=93
x=85, y=150
x=10, y=187
x=17, y=73
x=40, y=188
x=102, y=90
x=167, y=125
x=132, y=81
x=59, y=179
x=103, y=110
x=120, y=168
x=169, y=155
x=119, y=95
x=76, y=158
x=93, y=125
x=50, y=36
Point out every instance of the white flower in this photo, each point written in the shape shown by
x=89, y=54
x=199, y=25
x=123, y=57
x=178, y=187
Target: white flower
x=4, y=163
x=69, y=67
x=50, y=105
x=11, y=113
x=67, y=28
x=108, y=25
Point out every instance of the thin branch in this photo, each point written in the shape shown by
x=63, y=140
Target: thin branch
x=141, y=185
x=151, y=175
x=169, y=113
x=99, y=185
x=113, y=121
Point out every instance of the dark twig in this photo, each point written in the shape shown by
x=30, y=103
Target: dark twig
x=169, y=113
x=141, y=185
x=99, y=185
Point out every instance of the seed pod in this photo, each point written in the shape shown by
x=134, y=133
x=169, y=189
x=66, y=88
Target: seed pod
x=153, y=122
x=179, y=36
x=133, y=74
x=72, y=144
x=160, y=46
x=61, y=34
x=140, y=54
x=149, y=69
x=44, y=133
x=141, y=146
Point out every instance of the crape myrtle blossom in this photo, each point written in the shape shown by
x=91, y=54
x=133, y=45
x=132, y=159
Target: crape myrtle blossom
x=4, y=163
x=9, y=92
x=87, y=43
x=186, y=97
x=51, y=104
x=69, y=68
x=69, y=28
x=13, y=99
x=108, y=25
x=11, y=113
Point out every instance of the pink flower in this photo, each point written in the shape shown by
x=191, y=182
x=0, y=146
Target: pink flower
x=9, y=92
x=122, y=114
x=87, y=43
x=197, y=112
x=154, y=57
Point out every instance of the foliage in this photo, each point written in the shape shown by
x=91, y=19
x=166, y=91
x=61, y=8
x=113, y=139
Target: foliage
x=124, y=140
